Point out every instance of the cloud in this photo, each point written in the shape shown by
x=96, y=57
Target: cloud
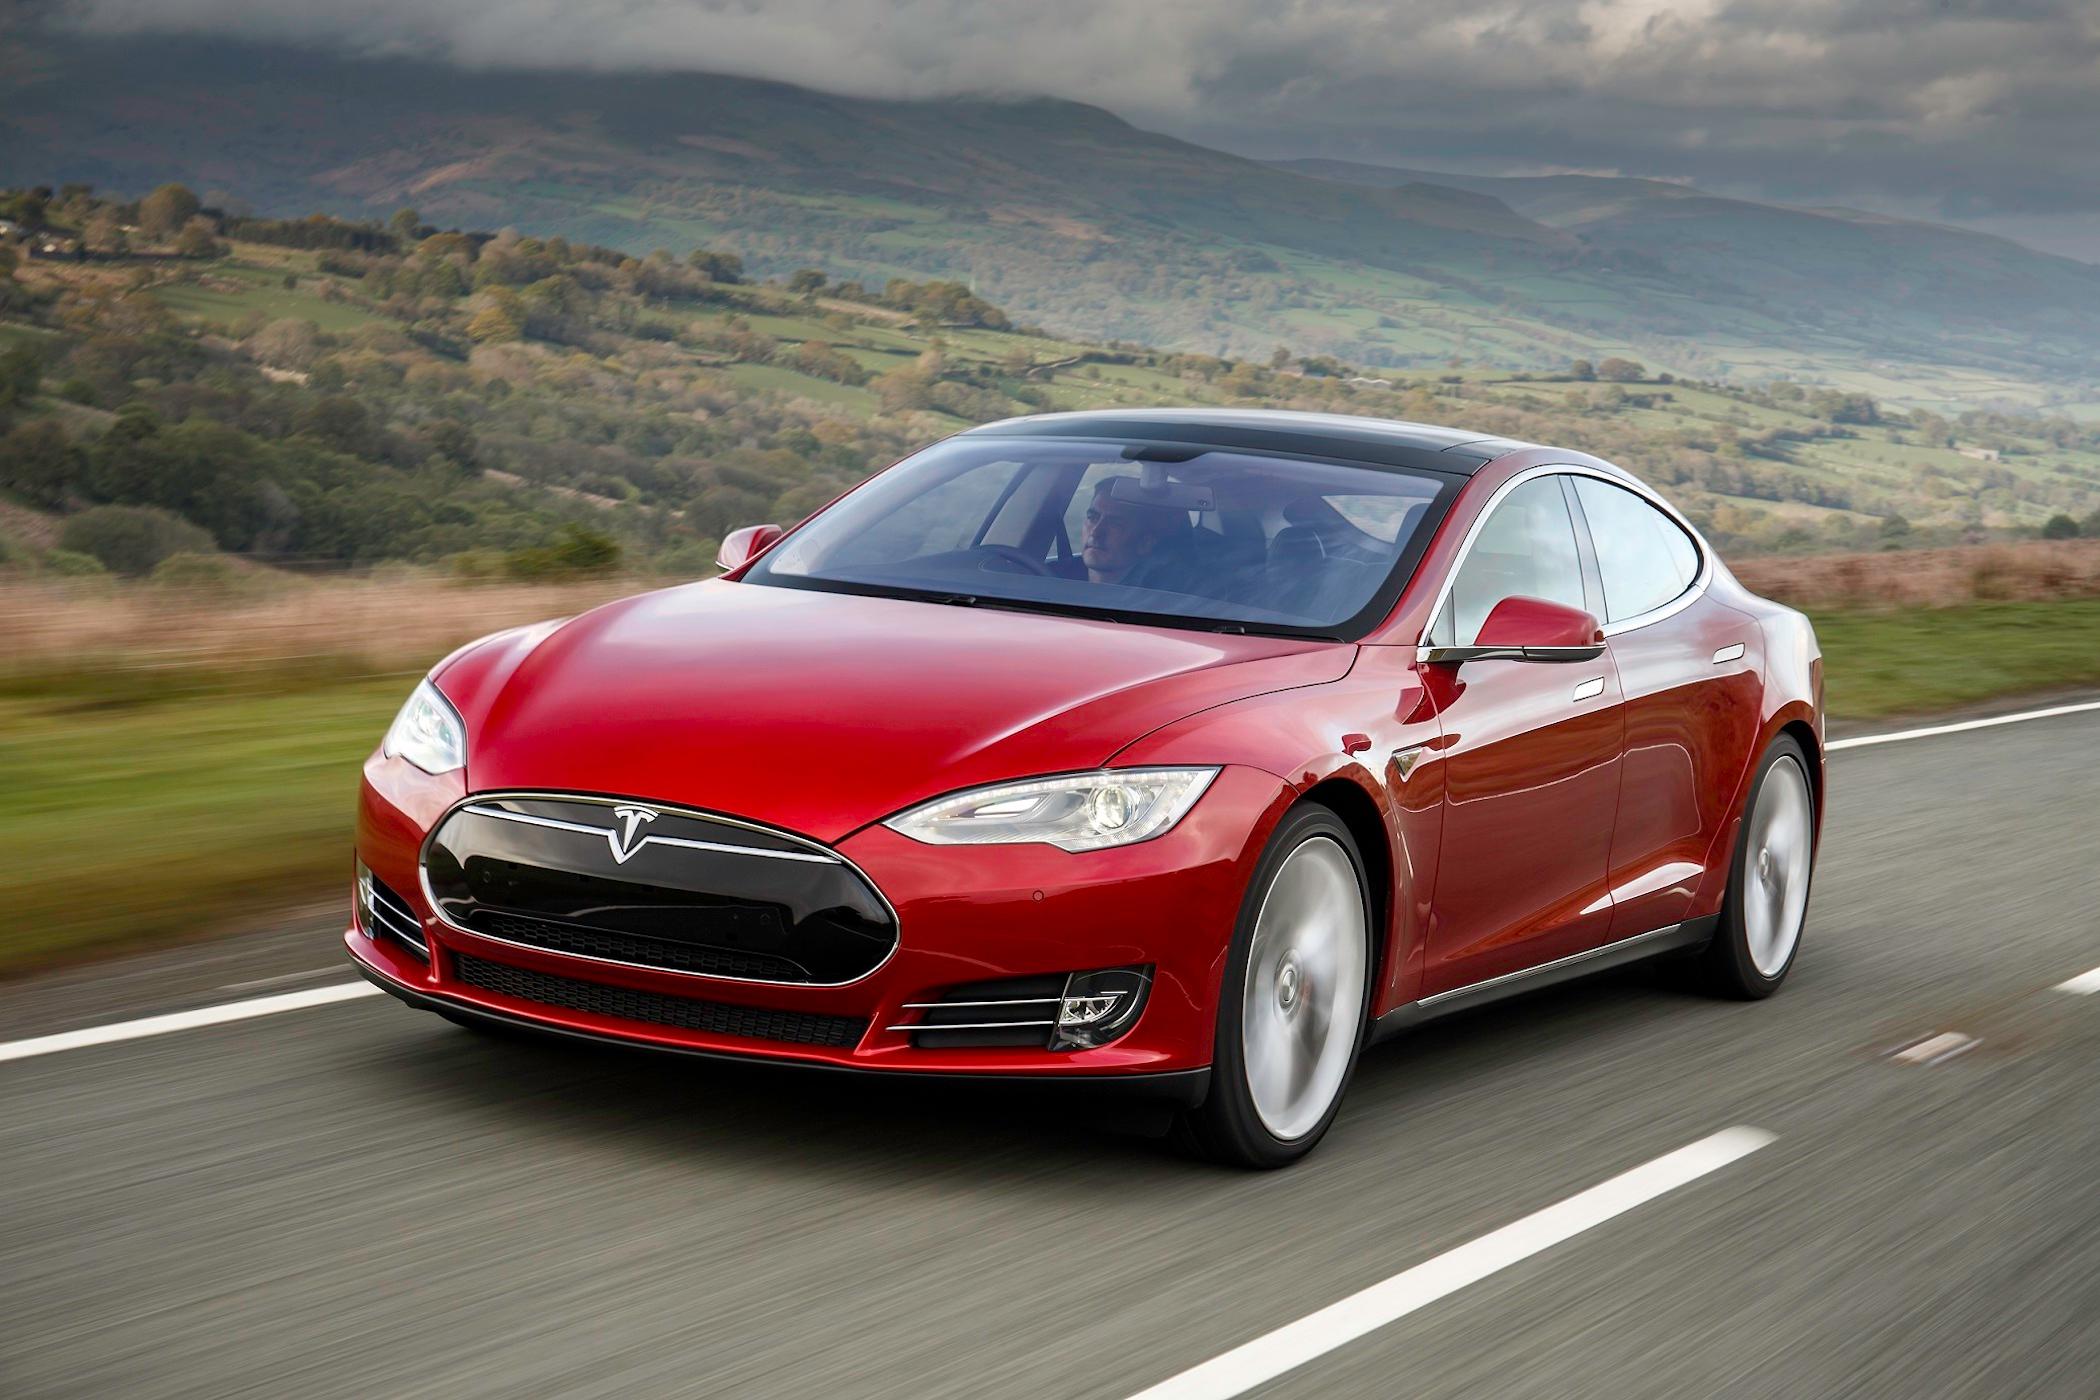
x=1953, y=105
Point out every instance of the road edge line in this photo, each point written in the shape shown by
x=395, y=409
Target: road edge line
x=1860, y=741
x=218, y=1015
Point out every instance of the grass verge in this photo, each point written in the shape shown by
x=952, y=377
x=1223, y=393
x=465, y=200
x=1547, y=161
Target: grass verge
x=161, y=821
x=151, y=820
x=1914, y=663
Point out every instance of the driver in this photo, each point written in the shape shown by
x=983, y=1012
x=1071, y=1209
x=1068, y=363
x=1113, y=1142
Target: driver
x=1121, y=535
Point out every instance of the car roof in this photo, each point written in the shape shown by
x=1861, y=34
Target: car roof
x=1379, y=441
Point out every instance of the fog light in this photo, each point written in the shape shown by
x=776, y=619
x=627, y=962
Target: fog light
x=1097, y=1007
x=364, y=902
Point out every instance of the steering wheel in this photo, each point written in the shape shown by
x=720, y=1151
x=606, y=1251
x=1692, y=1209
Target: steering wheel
x=1026, y=563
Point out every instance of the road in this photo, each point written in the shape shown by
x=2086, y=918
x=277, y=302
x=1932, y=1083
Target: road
x=358, y=1200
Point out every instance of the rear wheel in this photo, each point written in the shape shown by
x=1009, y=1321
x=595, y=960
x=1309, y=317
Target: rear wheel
x=1292, y=1006
x=1767, y=902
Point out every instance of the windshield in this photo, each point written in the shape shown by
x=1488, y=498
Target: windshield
x=1151, y=532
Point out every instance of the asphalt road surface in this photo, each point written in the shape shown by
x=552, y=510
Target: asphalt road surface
x=360, y=1200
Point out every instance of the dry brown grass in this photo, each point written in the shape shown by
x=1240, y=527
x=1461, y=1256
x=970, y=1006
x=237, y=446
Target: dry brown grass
x=2033, y=571
x=56, y=631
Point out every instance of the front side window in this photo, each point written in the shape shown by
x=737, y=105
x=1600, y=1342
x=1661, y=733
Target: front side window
x=1644, y=557
x=1525, y=550
x=1126, y=530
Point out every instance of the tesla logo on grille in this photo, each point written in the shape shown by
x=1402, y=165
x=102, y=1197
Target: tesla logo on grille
x=622, y=838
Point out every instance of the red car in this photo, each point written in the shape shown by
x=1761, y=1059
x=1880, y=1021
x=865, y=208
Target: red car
x=1184, y=752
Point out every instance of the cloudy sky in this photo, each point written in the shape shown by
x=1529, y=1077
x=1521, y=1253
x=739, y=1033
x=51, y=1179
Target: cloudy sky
x=1980, y=111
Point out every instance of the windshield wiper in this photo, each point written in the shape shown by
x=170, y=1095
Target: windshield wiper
x=1242, y=629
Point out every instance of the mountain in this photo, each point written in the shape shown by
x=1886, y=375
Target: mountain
x=1070, y=217
x=1828, y=268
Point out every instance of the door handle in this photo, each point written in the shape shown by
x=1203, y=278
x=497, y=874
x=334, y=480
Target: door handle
x=1590, y=689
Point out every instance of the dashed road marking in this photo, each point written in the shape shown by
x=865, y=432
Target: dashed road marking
x=1936, y=1049
x=1314, y=1335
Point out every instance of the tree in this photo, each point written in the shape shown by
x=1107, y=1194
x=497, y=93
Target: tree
x=1618, y=371
x=198, y=239
x=20, y=374
x=493, y=325
x=404, y=225
x=39, y=464
x=105, y=234
x=807, y=281
x=163, y=213
x=2060, y=527
x=1582, y=369
x=716, y=267
x=131, y=539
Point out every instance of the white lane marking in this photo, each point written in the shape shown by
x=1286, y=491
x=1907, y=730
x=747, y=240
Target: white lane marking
x=185, y=1020
x=1314, y=1335
x=1936, y=1049
x=2083, y=985
x=1862, y=740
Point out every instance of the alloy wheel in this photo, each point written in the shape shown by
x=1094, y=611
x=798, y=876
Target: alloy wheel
x=1776, y=867
x=1303, y=1000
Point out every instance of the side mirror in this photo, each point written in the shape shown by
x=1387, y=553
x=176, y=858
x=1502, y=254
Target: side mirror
x=740, y=547
x=1528, y=629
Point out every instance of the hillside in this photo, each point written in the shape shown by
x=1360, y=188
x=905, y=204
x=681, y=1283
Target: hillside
x=1841, y=275
x=1070, y=218
x=322, y=394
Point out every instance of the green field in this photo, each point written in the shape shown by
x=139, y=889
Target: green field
x=260, y=290
x=162, y=821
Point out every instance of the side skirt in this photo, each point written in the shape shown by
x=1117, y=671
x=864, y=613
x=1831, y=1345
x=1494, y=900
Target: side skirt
x=1692, y=933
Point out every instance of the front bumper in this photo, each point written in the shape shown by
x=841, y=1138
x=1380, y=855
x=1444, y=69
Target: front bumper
x=965, y=915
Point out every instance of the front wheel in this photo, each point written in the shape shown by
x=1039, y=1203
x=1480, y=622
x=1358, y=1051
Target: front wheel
x=1767, y=902
x=1292, y=1006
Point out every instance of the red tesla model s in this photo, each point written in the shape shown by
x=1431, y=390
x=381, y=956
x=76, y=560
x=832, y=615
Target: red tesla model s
x=1187, y=752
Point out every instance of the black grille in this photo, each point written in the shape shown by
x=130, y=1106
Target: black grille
x=640, y=951
x=657, y=887
x=686, y=1013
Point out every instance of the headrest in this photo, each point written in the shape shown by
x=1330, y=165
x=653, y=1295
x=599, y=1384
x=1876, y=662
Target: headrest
x=1297, y=544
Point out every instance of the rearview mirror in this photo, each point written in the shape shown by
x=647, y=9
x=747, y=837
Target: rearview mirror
x=740, y=547
x=1528, y=629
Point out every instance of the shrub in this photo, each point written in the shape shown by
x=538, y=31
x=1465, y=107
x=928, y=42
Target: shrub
x=64, y=563
x=476, y=565
x=575, y=552
x=2060, y=527
x=198, y=572
x=692, y=559
x=131, y=539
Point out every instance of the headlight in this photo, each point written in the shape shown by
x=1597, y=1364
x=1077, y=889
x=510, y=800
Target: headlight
x=1078, y=812
x=428, y=732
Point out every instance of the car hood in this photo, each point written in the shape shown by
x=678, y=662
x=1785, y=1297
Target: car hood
x=822, y=712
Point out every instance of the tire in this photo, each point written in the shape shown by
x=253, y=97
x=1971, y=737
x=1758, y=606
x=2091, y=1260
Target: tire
x=1759, y=937
x=1294, y=1001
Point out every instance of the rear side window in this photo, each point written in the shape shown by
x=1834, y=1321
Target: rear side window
x=1525, y=550
x=1645, y=558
